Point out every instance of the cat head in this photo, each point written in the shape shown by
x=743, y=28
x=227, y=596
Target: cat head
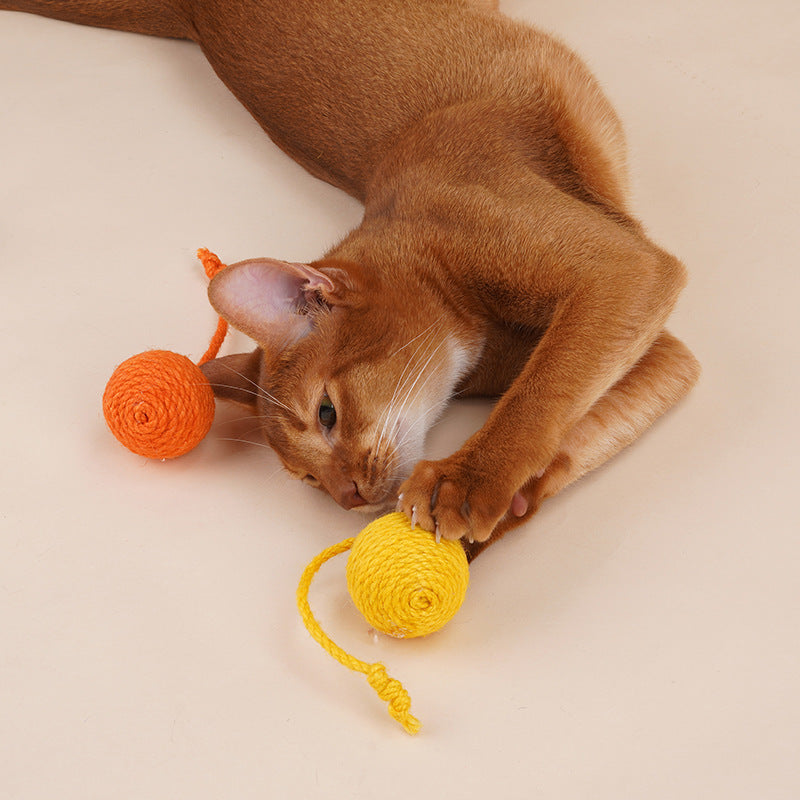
x=348, y=376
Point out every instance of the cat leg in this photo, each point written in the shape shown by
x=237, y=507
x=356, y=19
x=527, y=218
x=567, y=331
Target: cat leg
x=610, y=291
x=663, y=376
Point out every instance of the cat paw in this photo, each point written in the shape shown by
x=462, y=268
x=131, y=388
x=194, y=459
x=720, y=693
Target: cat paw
x=452, y=501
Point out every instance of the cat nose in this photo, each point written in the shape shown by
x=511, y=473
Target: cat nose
x=349, y=496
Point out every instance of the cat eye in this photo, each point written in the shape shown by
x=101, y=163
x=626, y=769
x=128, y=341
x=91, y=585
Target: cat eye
x=326, y=413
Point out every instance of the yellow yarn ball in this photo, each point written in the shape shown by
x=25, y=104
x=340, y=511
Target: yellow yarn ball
x=402, y=580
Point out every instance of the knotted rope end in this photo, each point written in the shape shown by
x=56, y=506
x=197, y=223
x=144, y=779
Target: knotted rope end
x=391, y=691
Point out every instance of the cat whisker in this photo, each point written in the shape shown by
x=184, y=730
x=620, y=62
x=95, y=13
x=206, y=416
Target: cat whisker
x=242, y=441
x=414, y=339
x=407, y=375
x=408, y=399
x=243, y=419
x=436, y=407
x=402, y=381
x=259, y=393
x=259, y=390
x=418, y=379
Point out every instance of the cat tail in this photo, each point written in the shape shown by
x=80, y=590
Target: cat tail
x=167, y=18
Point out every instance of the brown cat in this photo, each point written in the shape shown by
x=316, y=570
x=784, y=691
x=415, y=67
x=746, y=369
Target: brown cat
x=497, y=255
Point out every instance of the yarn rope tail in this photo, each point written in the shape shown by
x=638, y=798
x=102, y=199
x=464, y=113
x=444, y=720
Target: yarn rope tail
x=212, y=266
x=388, y=689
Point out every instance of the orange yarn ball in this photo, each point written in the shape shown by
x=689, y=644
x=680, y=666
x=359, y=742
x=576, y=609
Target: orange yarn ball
x=159, y=404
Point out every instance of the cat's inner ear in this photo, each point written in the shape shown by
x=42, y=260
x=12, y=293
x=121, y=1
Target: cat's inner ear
x=270, y=300
x=235, y=377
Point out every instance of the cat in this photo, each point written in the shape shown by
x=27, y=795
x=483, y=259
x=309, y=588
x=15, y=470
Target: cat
x=497, y=255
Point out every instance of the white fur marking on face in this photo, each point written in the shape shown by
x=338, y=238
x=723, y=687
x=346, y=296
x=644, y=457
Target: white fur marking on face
x=432, y=366
x=430, y=390
x=461, y=360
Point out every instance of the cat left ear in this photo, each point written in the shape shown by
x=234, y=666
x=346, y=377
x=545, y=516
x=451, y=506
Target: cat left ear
x=235, y=377
x=270, y=300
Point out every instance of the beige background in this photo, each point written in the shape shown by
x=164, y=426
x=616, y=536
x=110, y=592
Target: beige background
x=638, y=639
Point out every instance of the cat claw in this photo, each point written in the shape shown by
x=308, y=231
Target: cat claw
x=413, y=516
x=438, y=534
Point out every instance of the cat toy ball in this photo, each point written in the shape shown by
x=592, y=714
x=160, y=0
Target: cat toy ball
x=158, y=403
x=404, y=583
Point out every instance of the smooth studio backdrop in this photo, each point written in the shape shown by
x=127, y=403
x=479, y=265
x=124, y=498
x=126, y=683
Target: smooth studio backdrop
x=637, y=639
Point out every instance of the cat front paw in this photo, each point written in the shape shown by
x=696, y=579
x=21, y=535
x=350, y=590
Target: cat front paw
x=453, y=501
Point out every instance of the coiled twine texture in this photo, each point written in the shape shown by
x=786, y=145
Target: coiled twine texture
x=402, y=580
x=159, y=404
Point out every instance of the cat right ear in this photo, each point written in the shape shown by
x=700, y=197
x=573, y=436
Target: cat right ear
x=268, y=300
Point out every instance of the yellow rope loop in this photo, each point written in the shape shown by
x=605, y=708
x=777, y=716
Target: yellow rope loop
x=391, y=691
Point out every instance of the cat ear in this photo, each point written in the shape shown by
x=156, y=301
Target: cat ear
x=269, y=300
x=235, y=377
